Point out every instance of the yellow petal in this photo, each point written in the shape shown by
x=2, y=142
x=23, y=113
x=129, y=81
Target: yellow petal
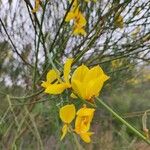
x=78, y=88
x=86, y=112
x=75, y=3
x=67, y=67
x=45, y=84
x=83, y=119
x=97, y=86
x=96, y=72
x=81, y=125
x=64, y=131
x=94, y=81
x=93, y=88
x=78, y=125
x=70, y=16
x=76, y=11
x=67, y=113
x=81, y=21
x=118, y=22
x=52, y=75
x=79, y=73
x=79, y=31
x=37, y=6
x=56, y=88
x=86, y=136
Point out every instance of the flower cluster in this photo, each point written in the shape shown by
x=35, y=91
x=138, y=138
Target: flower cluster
x=78, y=18
x=85, y=84
x=82, y=123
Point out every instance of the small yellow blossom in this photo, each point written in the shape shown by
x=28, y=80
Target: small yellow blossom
x=135, y=32
x=59, y=86
x=116, y=63
x=37, y=6
x=83, y=122
x=67, y=114
x=79, y=21
x=87, y=83
x=118, y=21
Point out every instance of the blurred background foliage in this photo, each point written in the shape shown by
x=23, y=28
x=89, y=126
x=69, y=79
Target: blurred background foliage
x=118, y=39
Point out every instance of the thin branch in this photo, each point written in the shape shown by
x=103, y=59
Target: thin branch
x=13, y=45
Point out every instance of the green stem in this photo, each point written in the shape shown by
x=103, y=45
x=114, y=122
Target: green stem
x=79, y=146
x=12, y=110
x=38, y=46
x=28, y=96
x=123, y=121
x=38, y=136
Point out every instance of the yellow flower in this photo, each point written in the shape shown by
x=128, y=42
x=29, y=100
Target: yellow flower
x=59, y=86
x=135, y=32
x=79, y=21
x=37, y=6
x=118, y=21
x=116, y=63
x=67, y=114
x=83, y=122
x=87, y=83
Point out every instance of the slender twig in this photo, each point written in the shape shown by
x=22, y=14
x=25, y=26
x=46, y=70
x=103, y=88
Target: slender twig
x=37, y=48
x=134, y=130
x=13, y=45
x=55, y=38
x=28, y=4
x=28, y=96
x=39, y=101
x=35, y=127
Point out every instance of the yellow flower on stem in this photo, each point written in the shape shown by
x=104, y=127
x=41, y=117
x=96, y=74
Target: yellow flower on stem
x=67, y=114
x=87, y=83
x=118, y=21
x=37, y=6
x=58, y=86
x=83, y=122
x=79, y=21
x=77, y=16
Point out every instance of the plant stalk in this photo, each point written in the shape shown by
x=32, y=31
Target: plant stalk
x=134, y=130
